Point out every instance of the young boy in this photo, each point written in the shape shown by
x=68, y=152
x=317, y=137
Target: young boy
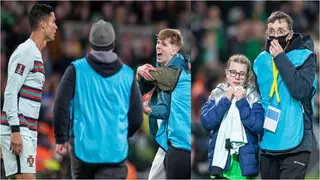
x=172, y=76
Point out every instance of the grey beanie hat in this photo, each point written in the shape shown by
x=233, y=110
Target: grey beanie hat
x=102, y=36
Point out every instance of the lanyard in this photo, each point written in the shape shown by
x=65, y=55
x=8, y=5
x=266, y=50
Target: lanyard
x=274, y=87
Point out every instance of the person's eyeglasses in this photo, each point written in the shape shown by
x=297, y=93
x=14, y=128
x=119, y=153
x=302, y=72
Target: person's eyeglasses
x=279, y=32
x=234, y=73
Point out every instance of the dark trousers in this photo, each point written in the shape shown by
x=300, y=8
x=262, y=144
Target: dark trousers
x=83, y=170
x=287, y=166
x=178, y=163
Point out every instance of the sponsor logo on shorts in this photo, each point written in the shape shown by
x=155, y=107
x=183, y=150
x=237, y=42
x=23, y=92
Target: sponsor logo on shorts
x=30, y=160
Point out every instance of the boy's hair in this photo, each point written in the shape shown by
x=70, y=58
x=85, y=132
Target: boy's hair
x=278, y=15
x=242, y=59
x=173, y=34
x=38, y=13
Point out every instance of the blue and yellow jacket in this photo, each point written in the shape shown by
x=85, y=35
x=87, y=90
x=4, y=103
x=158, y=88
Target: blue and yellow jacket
x=296, y=84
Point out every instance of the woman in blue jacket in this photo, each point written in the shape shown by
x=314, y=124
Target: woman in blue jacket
x=234, y=116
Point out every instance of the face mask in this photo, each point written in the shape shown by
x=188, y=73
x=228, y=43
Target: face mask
x=281, y=39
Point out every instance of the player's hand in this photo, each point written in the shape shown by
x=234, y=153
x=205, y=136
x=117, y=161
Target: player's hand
x=146, y=107
x=240, y=93
x=62, y=148
x=16, y=143
x=143, y=71
x=230, y=92
x=275, y=48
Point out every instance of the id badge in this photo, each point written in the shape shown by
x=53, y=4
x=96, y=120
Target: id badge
x=272, y=118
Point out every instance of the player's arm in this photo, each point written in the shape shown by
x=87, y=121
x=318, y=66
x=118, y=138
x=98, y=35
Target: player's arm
x=135, y=114
x=18, y=70
x=65, y=94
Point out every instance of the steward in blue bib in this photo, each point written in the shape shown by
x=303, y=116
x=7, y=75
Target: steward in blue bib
x=296, y=84
x=175, y=81
x=99, y=102
x=105, y=108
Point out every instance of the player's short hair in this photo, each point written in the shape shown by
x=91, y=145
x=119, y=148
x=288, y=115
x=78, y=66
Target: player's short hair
x=38, y=13
x=242, y=59
x=278, y=15
x=173, y=34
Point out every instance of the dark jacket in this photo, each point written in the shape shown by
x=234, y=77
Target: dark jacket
x=211, y=116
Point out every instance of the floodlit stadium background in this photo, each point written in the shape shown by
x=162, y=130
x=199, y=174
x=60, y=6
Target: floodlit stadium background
x=135, y=23
x=221, y=29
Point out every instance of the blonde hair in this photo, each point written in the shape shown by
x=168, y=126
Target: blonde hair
x=173, y=34
x=242, y=59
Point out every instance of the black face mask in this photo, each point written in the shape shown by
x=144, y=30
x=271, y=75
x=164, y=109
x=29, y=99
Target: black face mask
x=281, y=39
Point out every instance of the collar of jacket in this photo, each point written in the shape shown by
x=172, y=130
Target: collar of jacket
x=252, y=96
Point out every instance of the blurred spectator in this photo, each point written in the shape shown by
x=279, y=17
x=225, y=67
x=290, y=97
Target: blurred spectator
x=298, y=16
x=107, y=11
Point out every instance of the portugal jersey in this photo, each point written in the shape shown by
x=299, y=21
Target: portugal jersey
x=23, y=93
